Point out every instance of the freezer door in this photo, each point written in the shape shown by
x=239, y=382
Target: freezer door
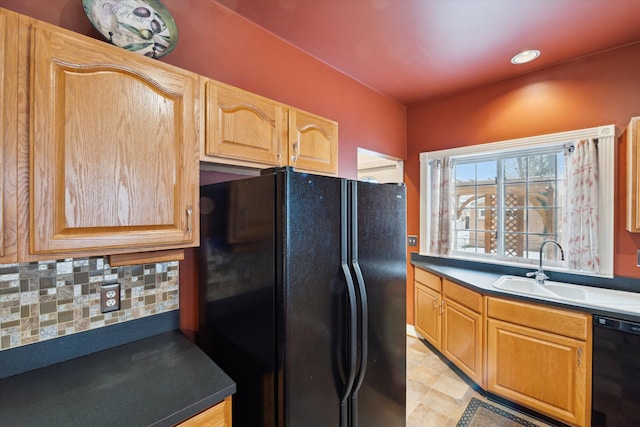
x=314, y=300
x=237, y=289
x=379, y=252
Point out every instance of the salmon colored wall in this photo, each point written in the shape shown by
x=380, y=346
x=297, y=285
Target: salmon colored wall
x=592, y=91
x=217, y=43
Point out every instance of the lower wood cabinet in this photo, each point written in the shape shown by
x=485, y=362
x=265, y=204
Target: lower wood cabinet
x=540, y=357
x=216, y=416
x=449, y=316
x=428, y=288
x=531, y=354
x=462, y=329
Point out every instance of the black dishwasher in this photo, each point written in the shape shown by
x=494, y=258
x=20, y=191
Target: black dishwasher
x=616, y=373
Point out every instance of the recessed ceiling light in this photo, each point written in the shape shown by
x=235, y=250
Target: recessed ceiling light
x=525, y=56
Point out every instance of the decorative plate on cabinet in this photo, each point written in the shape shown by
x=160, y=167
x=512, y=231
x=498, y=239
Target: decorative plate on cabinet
x=141, y=26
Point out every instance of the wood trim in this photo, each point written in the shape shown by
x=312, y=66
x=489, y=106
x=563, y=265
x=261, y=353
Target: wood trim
x=119, y=260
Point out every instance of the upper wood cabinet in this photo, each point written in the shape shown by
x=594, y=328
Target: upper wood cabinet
x=113, y=148
x=8, y=135
x=313, y=142
x=632, y=139
x=243, y=127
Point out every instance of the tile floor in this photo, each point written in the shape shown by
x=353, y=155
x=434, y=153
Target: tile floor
x=436, y=395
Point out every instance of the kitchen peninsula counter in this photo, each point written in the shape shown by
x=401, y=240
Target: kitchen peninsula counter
x=156, y=381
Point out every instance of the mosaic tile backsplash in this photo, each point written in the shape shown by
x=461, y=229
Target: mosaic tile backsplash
x=48, y=299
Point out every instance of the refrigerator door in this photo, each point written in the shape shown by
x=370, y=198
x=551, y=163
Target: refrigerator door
x=379, y=253
x=315, y=304
x=237, y=291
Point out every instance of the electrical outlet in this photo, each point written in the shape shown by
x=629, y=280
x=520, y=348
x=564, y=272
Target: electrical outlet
x=110, y=297
x=412, y=240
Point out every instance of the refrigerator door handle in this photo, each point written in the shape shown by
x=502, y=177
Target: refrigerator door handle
x=353, y=331
x=353, y=310
x=364, y=320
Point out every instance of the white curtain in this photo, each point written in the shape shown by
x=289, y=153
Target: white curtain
x=582, y=207
x=440, y=224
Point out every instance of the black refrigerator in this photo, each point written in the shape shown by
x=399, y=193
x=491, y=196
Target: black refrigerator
x=303, y=298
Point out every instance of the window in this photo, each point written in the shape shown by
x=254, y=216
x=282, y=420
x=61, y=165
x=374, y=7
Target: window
x=523, y=195
x=506, y=198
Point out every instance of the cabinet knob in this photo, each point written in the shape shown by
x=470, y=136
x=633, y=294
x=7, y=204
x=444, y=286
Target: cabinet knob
x=296, y=149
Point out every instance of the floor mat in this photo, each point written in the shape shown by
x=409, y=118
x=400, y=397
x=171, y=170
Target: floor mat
x=483, y=414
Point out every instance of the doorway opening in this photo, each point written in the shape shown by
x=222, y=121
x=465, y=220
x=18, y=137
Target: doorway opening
x=379, y=168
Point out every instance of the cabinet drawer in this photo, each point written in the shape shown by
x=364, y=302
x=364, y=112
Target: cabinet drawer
x=428, y=279
x=558, y=321
x=462, y=295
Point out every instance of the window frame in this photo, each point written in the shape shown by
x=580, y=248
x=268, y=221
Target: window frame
x=606, y=136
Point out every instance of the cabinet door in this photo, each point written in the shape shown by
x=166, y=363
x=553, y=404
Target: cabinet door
x=8, y=135
x=313, y=143
x=427, y=313
x=114, y=148
x=243, y=126
x=632, y=139
x=462, y=338
x=547, y=372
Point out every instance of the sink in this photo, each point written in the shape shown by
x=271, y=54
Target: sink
x=522, y=285
x=579, y=294
x=567, y=291
x=553, y=290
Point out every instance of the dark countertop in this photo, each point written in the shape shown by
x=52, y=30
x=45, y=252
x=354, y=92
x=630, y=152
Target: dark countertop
x=156, y=381
x=482, y=281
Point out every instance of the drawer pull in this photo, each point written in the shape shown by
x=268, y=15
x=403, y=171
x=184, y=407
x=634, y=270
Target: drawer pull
x=189, y=219
x=296, y=149
x=579, y=356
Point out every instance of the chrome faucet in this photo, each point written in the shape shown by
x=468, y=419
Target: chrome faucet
x=539, y=274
